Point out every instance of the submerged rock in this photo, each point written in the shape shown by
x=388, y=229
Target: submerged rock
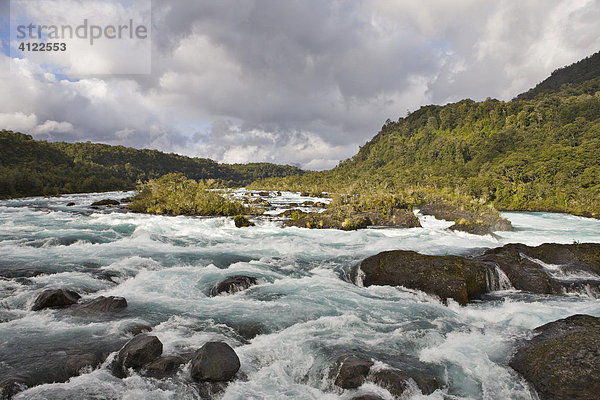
x=71, y=204
x=352, y=371
x=452, y=277
x=394, y=381
x=563, y=360
x=233, y=284
x=367, y=396
x=549, y=268
x=163, y=367
x=106, y=202
x=214, y=362
x=10, y=387
x=75, y=363
x=136, y=353
x=241, y=221
x=103, y=304
x=52, y=298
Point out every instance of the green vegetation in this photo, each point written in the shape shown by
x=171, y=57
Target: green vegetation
x=574, y=74
x=535, y=155
x=29, y=167
x=174, y=194
x=350, y=212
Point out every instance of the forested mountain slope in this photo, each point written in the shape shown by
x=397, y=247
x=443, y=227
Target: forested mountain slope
x=29, y=167
x=541, y=153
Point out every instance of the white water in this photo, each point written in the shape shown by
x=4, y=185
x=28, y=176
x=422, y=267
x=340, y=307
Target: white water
x=308, y=310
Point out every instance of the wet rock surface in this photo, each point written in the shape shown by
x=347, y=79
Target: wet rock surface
x=563, y=360
x=163, y=367
x=214, y=362
x=102, y=304
x=233, y=284
x=452, y=277
x=139, y=351
x=53, y=298
x=549, y=268
x=352, y=371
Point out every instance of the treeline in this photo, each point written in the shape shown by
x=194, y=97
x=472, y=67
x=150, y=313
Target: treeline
x=538, y=154
x=29, y=167
x=574, y=74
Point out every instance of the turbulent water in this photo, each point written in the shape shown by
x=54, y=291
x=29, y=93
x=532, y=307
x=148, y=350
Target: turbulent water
x=305, y=309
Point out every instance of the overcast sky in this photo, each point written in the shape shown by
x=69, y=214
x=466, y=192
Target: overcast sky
x=297, y=82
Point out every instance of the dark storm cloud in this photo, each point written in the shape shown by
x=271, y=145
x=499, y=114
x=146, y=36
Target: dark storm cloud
x=302, y=82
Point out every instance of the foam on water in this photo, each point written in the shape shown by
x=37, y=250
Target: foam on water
x=290, y=328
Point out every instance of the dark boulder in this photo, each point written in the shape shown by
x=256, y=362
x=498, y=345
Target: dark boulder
x=71, y=204
x=106, y=202
x=395, y=381
x=452, y=277
x=563, y=360
x=214, y=362
x=103, y=304
x=549, y=268
x=352, y=371
x=163, y=367
x=55, y=298
x=367, y=396
x=136, y=353
x=75, y=363
x=10, y=387
x=241, y=221
x=137, y=328
x=233, y=284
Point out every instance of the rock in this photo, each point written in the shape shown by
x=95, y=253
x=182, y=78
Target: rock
x=352, y=371
x=367, y=396
x=136, y=353
x=481, y=222
x=55, y=298
x=549, y=268
x=10, y=387
x=233, y=284
x=241, y=221
x=136, y=329
x=74, y=364
x=294, y=214
x=346, y=218
x=103, y=304
x=71, y=204
x=126, y=200
x=106, y=202
x=563, y=360
x=452, y=277
x=393, y=380
x=163, y=367
x=214, y=362
x=265, y=194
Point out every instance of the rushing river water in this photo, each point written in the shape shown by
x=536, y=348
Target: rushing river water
x=305, y=309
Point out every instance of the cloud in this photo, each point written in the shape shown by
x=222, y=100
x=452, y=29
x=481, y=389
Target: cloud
x=18, y=121
x=301, y=82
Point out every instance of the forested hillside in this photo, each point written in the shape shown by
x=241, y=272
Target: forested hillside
x=29, y=167
x=579, y=72
x=530, y=154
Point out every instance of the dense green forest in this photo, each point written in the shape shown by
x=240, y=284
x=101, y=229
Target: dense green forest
x=29, y=167
x=541, y=153
x=579, y=72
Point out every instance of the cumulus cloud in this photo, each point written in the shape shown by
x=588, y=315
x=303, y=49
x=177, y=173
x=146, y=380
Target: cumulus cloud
x=300, y=82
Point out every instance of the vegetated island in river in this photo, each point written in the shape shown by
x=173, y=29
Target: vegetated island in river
x=460, y=162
